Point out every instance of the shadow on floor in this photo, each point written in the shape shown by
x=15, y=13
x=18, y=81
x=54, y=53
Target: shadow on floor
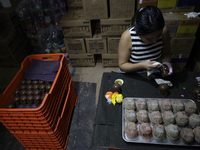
x=82, y=122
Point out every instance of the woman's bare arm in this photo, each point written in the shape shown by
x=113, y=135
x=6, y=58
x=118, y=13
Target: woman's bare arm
x=124, y=53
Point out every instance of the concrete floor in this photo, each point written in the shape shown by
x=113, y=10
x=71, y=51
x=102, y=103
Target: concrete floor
x=91, y=74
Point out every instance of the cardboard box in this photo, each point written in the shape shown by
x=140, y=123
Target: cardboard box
x=113, y=44
x=110, y=60
x=75, y=46
x=185, y=9
x=96, y=45
x=114, y=27
x=122, y=8
x=82, y=60
x=178, y=66
x=185, y=5
x=187, y=26
x=173, y=30
x=74, y=25
x=172, y=22
x=167, y=5
x=144, y=3
x=75, y=3
x=180, y=57
x=95, y=9
x=182, y=45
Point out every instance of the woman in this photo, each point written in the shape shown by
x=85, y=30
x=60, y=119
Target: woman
x=145, y=43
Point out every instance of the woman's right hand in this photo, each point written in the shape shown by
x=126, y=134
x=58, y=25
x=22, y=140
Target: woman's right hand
x=148, y=65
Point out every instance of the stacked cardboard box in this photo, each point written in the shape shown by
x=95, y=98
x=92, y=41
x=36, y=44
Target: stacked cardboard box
x=95, y=29
x=96, y=45
x=185, y=5
x=172, y=22
x=167, y=5
x=112, y=28
x=122, y=8
x=182, y=29
x=74, y=25
x=14, y=46
x=76, y=29
x=187, y=26
x=170, y=5
x=182, y=43
x=144, y=3
x=182, y=32
x=74, y=3
x=95, y=9
x=176, y=5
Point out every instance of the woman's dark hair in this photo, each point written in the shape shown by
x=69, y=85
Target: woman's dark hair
x=148, y=20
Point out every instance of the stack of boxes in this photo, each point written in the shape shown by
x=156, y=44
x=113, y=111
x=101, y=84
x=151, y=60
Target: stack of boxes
x=182, y=29
x=182, y=44
x=14, y=46
x=112, y=28
x=95, y=29
x=169, y=5
x=144, y=3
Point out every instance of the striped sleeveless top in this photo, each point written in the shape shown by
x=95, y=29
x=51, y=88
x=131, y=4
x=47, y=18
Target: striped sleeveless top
x=142, y=51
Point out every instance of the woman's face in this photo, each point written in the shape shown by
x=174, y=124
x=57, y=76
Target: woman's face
x=151, y=37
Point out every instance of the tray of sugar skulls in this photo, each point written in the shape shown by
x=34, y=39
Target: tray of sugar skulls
x=164, y=121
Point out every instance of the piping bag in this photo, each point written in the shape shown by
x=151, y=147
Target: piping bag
x=151, y=71
x=160, y=65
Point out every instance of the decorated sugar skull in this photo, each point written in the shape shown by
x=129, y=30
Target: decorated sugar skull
x=163, y=88
x=30, y=100
x=16, y=100
x=37, y=100
x=24, y=100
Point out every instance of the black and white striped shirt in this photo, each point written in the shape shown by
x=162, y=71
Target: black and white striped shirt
x=142, y=51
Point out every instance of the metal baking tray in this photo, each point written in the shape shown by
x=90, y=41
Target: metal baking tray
x=139, y=139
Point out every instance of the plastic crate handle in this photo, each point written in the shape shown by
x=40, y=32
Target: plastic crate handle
x=65, y=103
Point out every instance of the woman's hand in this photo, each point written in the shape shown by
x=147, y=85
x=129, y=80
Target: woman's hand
x=148, y=65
